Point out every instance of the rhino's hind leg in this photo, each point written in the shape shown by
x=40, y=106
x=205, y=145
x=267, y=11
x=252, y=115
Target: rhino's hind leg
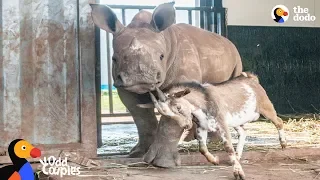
x=144, y=119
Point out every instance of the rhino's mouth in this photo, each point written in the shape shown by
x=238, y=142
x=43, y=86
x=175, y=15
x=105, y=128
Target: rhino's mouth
x=142, y=88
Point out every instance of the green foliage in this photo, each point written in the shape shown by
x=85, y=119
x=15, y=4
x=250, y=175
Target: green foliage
x=118, y=106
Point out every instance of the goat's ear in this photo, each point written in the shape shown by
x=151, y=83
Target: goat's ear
x=181, y=93
x=146, y=106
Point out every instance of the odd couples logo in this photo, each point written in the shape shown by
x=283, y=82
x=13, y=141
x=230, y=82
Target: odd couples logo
x=59, y=167
x=281, y=14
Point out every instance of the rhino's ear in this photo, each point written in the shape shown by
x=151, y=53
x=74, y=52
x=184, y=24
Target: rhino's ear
x=105, y=18
x=149, y=105
x=163, y=16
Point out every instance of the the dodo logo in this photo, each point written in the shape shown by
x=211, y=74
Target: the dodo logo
x=280, y=13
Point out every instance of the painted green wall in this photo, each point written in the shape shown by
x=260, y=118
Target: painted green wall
x=287, y=61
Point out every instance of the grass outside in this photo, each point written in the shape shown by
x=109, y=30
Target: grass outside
x=118, y=106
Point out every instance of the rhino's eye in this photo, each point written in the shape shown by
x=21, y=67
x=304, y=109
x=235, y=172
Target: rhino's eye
x=161, y=56
x=114, y=59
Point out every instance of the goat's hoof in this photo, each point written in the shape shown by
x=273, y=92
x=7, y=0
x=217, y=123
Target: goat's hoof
x=238, y=173
x=217, y=161
x=238, y=158
x=214, y=160
x=239, y=176
x=283, y=145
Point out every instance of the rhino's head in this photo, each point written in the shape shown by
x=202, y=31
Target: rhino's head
x=140, y=58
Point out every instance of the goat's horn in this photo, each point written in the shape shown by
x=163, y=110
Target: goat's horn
x=153, y=98
x=161, y=95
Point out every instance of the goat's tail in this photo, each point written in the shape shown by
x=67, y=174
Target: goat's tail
x=251, y=75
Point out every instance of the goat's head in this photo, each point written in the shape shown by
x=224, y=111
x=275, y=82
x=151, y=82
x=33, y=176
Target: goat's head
x=173, y=105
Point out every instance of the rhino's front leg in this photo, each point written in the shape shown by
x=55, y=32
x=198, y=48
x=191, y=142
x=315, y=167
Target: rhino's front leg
x=163, y=152
x=144, y=119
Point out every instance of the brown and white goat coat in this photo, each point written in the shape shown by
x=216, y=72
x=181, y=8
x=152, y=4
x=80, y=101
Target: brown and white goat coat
x=215, y=108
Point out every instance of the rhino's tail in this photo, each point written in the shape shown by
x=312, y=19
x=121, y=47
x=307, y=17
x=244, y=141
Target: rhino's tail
x=251, y=75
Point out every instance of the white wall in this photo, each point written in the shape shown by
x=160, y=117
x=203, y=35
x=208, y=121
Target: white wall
x=258, y=12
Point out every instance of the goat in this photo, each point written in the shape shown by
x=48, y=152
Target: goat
x=215, y=108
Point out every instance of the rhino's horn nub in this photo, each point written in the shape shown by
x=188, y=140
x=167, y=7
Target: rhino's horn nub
x=161, y=95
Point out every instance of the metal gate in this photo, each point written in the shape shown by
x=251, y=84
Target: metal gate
x=208, y=17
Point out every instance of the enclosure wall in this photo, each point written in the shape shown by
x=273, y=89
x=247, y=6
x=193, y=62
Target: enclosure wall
x=47, y=93
x=285, y=56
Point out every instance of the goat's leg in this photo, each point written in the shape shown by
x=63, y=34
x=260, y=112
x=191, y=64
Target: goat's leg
x=268, y=111
x=202, y=136
x=184, y=135
x=242, y=138
x=226, y=138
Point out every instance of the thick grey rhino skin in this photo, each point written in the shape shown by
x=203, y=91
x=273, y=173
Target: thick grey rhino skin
x=154, y=51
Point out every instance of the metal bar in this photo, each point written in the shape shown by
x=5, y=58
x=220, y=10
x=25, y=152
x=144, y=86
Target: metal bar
x=98, y=85
x=79, y=68
x=115, y=115
x=202, y=14
x=124, y=122
x=219, y=23
x=208, y=20
x=120, y=114
x=203, y=8
x=112, y=154
x=217, y=3
x=123, y=11
x=215, y=20
x=202, y=20
x=190, y=17
x=224, y=23
x=109, y=75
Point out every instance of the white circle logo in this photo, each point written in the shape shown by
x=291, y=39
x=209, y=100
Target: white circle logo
x=280, y=13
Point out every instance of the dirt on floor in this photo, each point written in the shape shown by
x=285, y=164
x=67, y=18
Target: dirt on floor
x=121, y=135
x=263, y=158
x=284, y=170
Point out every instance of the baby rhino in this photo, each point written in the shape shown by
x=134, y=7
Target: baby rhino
x=214, y=108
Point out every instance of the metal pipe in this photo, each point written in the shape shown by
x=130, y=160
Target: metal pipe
x=190, y=17
x=79, y=68
x=109, y=75
x=152, y=7
x=120, y=114
x=97, y=80
x=123, y=12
